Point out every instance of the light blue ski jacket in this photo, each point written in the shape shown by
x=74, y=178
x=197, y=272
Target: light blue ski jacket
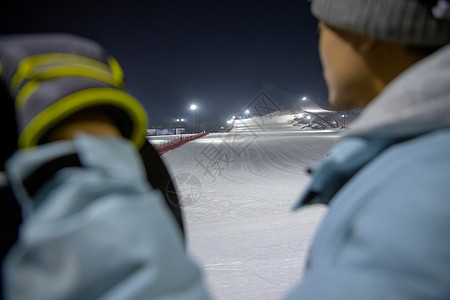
x=387, y=231
x=96, y=232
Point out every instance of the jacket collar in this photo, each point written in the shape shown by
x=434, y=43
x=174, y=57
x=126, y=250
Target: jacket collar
x=347, y=158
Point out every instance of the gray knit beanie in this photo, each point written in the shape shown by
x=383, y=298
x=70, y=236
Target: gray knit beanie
x=423, y=23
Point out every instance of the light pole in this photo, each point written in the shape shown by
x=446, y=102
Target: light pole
x=193, y=108
x=179, y=121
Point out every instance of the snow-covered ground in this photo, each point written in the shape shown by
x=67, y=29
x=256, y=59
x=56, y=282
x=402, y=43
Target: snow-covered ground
x=238, y=189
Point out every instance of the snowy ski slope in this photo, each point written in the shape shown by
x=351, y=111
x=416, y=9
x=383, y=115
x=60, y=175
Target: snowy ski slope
x=238, y=189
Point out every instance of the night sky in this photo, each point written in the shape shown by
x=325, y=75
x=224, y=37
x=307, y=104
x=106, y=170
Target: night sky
x=216, y=54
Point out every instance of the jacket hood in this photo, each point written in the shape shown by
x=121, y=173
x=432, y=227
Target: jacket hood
x=416, y=102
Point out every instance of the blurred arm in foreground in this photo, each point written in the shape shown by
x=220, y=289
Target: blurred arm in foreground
x=93, y=227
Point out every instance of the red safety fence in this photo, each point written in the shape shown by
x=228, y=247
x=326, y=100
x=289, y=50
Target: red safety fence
x=175, y=143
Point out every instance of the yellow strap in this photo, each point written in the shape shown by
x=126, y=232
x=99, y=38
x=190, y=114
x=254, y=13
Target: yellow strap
x=28, y=89
x=73, y=70
x=49, y=72
x=28, y=64
x=116, y=70
x=70, y=104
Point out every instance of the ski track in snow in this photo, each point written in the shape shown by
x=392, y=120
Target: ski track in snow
x=240, y=225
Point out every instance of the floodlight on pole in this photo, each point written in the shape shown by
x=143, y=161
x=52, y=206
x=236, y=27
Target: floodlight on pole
x=304, y=98
x=247, y=111
x=193, y=108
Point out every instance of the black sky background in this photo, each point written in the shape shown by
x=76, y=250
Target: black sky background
x=217, y=54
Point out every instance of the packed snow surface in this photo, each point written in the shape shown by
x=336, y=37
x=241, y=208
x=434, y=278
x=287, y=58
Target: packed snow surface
x=237, y=190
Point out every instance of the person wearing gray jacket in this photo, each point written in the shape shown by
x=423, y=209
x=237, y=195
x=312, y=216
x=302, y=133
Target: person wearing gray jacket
x=386, y=233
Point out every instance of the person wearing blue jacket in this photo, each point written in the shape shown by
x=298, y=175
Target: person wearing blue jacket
x=387, y=182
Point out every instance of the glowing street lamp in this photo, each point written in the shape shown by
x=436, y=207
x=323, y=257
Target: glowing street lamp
x=304, y=98
x=179, y=121
x=344, y=117
x=193, y=108
x=247, y=111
